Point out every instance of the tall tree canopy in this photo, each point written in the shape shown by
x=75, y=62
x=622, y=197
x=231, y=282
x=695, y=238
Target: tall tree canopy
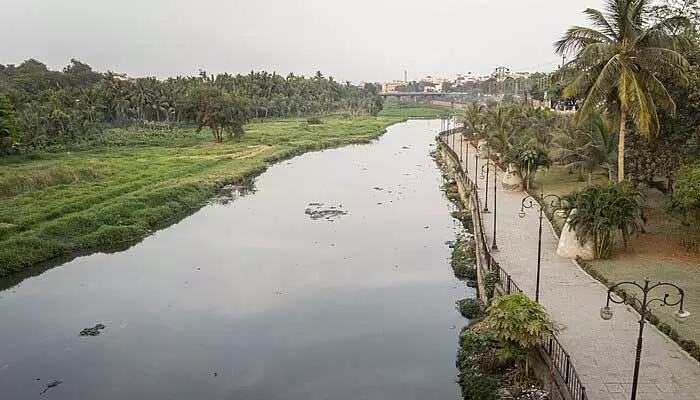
x=621, y=62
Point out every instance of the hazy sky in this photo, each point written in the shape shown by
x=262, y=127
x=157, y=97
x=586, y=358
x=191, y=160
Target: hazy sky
x=354, y=40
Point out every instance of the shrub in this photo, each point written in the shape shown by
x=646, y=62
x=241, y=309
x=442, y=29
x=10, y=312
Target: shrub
x=490, y=280
x=314, y=121
x=518, y=323
x=475, y=352
x=600, y=211
x=463, y=259
x=687, y=192
x=469, y=308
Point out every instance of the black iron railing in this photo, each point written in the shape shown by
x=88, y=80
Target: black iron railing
x=558, y=357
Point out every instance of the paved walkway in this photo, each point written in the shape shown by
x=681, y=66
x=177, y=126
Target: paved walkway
x=602, y=351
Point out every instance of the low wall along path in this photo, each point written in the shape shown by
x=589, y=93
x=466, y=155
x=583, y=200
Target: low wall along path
x=601, y=351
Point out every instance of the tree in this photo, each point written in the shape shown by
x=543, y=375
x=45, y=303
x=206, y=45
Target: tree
x=518, y=323
x=474, y=120
x=620, y=63
x=528, y=158
x=210, y=106
x=8, y=126
x=687, y=194
x=500, y=129
x=589, y=148
x=601, y=211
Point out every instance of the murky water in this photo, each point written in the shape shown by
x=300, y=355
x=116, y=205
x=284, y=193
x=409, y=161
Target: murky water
x=254, y=299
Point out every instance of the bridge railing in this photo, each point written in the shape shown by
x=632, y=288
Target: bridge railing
x=558, y=358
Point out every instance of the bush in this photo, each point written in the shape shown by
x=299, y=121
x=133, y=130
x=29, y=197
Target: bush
x=469, y=308
x=463, y=260
x=314, y=121
x=518, y=323
x=474, y=350
x=601, y=210
x=687, y=192
x=490, y=280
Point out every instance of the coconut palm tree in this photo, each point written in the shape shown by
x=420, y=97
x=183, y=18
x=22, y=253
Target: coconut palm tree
x=502, y=135
x=621, y=61
x=587, y=149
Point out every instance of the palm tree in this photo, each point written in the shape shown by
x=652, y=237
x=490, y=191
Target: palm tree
x=474, y=120
x=502, y=135
x=587, y=149
x=620, y=63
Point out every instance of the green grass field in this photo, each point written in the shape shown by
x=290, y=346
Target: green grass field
x=55, y=204
x=415, y=110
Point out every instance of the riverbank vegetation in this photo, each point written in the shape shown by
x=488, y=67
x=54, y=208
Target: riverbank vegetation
x=55, y=203
x=494, y=348
x=92, y=159
x=409, y=109
x=628, y=159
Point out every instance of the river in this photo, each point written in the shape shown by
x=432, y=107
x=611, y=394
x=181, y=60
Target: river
x=254, y=299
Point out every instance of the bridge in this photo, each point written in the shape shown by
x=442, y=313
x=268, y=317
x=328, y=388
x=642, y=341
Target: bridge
x=425, y=94
x=428, y=96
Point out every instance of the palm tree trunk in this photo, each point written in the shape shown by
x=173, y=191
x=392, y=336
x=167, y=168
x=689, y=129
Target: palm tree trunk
x=621, y=145
x=590, y=177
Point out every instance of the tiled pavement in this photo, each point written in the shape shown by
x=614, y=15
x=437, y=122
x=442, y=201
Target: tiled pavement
x=602, y=351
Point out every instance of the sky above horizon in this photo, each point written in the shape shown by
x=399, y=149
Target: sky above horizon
x=358, y=40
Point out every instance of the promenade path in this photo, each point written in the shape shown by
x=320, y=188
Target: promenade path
x=602, y=351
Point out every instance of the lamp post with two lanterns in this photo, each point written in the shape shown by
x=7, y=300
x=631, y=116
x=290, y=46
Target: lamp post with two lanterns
x=681, y=315
x=530, y=202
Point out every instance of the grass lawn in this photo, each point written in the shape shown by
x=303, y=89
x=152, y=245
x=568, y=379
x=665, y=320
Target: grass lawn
x=657, y=254
x=52, y=204
x=418, y=110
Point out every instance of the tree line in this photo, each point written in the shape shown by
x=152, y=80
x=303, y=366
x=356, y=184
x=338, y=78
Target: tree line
x=40, y=107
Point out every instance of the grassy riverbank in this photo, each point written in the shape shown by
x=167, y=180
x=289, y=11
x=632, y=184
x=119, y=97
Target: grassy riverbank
x=56, y=203
x=418, y=110
x=52, y=204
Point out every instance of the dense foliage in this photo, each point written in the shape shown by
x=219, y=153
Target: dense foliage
x=620, y=62
x=75, y=105
x=602, y=211
x=518, y=323
x=688, y=192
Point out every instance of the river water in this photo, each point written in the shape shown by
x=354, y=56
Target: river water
x=255, y=299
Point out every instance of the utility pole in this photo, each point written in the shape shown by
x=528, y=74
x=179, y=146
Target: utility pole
x=500, y=74
x=563, y=62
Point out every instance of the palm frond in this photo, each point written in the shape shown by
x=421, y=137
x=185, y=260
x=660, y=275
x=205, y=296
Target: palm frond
x=599, y=20
x=600, y=89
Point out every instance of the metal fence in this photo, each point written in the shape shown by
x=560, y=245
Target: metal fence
x=558, y=357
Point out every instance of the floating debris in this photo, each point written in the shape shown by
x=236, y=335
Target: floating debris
x=378, y=188
x=328, y=213
x=94, y=331
x=51, y=386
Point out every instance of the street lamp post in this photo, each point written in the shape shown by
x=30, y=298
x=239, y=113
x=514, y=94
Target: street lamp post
x=494, y=246
x=681, y=315
x=466, y=159
x=486, y=189
x=528, y=202
x=476, y=168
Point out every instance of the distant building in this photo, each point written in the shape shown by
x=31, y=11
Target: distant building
x=390, y=87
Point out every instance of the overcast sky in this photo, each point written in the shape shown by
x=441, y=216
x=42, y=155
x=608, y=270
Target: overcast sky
x=357, y=40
